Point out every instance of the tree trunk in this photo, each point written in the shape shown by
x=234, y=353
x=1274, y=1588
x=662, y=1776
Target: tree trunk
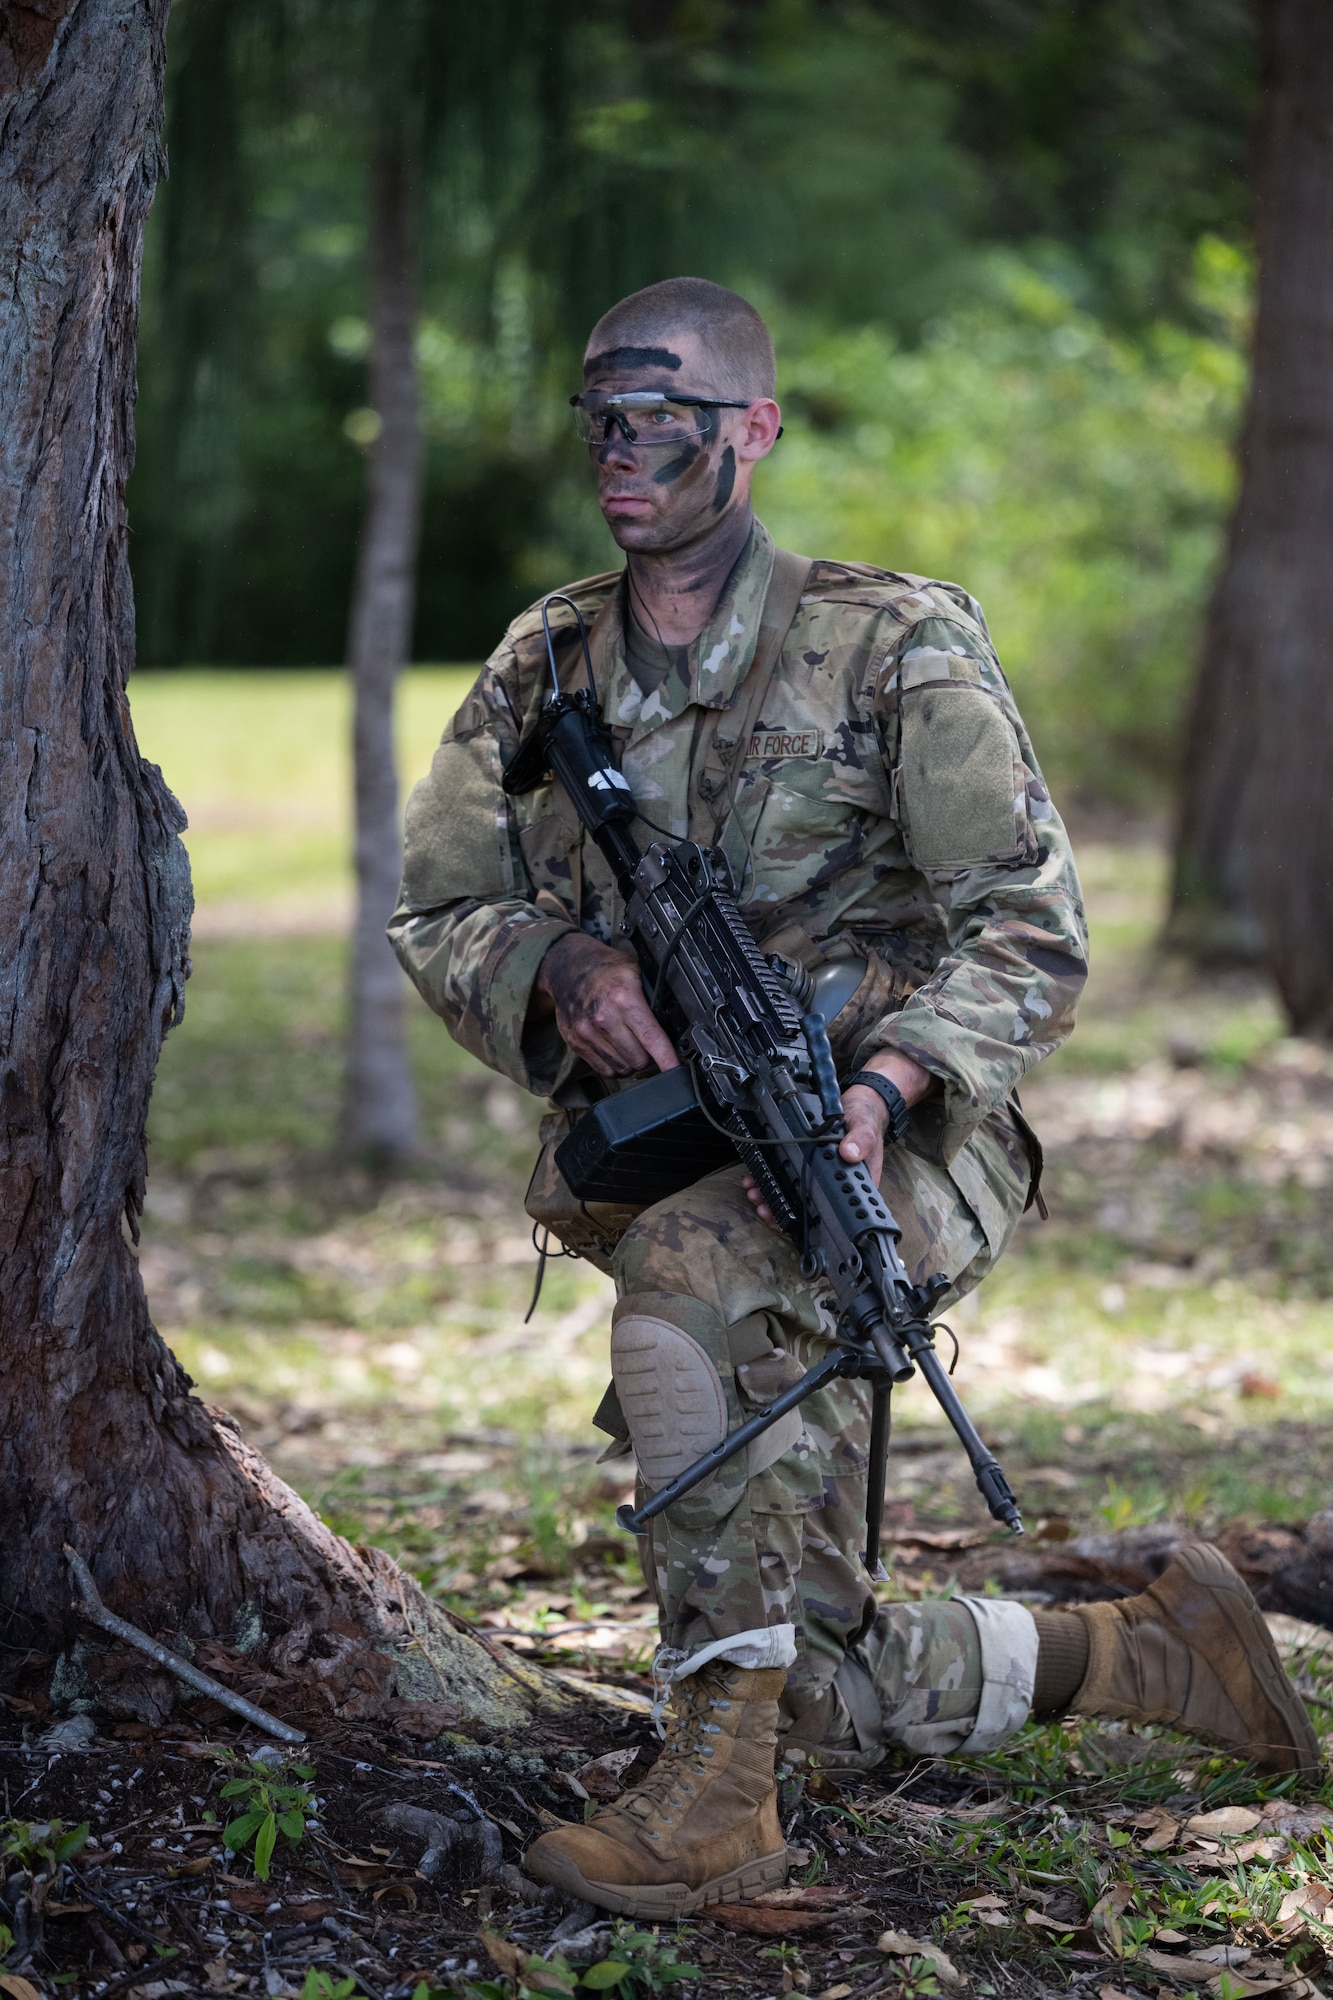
x=1256, y=847
x=379, y=1108
x=101, y=1445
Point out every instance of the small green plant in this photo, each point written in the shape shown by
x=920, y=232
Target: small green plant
x=318, y=1985
x=40, y=1846
x=6, y=1944
x=637, y=1964
x=271, y=1805
x=920, y=1981
x=1136, y=1932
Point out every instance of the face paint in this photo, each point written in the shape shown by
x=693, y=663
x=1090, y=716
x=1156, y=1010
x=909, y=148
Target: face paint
x=617, y=359
x=726, y=480
x=676, y=468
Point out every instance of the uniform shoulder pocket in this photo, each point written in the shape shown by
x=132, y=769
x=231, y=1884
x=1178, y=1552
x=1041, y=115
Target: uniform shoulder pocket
x=457, y=827
x=959, y=777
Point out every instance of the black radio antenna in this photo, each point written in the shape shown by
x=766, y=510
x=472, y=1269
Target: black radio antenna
x=559, y=597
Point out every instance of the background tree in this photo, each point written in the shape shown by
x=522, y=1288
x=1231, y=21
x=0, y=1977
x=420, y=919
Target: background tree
x=1254, y=858
x=103, y=1446
x=379, y=1102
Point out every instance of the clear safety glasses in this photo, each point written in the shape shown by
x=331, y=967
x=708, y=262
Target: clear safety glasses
x=648, y=417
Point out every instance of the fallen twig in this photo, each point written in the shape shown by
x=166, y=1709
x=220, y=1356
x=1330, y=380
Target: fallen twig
x=92, y=1608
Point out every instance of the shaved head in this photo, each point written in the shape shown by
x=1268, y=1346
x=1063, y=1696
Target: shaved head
x=643, y=331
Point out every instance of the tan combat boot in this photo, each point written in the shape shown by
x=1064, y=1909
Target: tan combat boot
x=703, y=1826
x=1193, y=1651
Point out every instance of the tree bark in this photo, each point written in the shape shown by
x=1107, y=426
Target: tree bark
x=379, y=1106
x=101, y=1444
x=1255, y=854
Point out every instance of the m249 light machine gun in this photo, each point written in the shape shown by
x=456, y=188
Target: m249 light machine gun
x=758, y=1082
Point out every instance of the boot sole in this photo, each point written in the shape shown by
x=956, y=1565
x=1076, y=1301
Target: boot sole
x=1209, y=1569
x=666, y=1900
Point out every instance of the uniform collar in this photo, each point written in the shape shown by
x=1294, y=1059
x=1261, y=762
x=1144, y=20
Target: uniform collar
x=716, y=664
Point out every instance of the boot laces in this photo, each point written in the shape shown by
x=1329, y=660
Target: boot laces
x=673, y=1782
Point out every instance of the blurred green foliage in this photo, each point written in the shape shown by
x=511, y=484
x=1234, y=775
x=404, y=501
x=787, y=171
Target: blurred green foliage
x=1002, y=248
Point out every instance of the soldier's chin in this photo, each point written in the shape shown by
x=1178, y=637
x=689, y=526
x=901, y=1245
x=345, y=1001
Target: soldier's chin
x=638, y=531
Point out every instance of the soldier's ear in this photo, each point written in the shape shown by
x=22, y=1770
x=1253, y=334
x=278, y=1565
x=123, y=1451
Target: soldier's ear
x=760, y=429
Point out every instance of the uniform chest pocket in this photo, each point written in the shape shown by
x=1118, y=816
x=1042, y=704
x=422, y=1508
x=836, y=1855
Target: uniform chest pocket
x=961, y=785
x=799, y=834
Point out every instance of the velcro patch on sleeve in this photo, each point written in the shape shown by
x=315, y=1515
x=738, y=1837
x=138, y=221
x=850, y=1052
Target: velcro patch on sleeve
x=769, y=743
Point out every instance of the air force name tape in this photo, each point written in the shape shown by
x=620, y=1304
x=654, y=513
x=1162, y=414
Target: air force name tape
x=767, y=743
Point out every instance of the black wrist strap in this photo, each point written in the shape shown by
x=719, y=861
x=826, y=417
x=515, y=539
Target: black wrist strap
x=890, y=1096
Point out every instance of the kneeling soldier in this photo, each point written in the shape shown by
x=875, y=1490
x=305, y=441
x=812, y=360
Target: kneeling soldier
x=885, y=810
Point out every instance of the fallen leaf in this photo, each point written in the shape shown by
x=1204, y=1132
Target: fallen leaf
x=1106, y=1914
x=1308, y=1899
x=312, y=1912
x=1296, y=1822
x=1227, y=1823
x=505, y=1957
x=1162, y=1829
x=897, y=1944
x=1111, y=1993
x=1221, y=1954
x=761, y=1922
x=50, y=1909
x=1170, y=1937
x=1038, y=1922
x=247, y=1899
x=18, y=1988
x=356, y=1874
x=977, y=1815
x=1259, y=1850
x=834, y=1993
x=992, y=1910
x=398, y=1892
x=601, y=1777
x=1176, y=1968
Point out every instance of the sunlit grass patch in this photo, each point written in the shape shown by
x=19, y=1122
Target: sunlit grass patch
x=261, y=762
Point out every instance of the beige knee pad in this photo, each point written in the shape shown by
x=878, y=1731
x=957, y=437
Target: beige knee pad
x=670, y=1392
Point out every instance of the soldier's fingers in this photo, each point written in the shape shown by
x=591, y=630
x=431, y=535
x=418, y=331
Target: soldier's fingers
x=762, y=1210
x=651, y=1034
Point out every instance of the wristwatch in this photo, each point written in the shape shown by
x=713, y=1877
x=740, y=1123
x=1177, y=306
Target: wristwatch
x=891, y=1097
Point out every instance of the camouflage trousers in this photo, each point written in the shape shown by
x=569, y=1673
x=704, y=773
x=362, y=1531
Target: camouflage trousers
x=771, y=1551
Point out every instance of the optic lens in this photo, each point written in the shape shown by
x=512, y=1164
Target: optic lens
x=646, y=419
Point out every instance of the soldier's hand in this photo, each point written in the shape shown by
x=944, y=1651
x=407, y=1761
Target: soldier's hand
x=600, y=1007
x=867, y=1118
x=867, y=1114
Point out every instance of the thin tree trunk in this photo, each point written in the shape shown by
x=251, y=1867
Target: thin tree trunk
x=1288, y=500
x=1254, y=860
x=101, y=1444
x=379, y=1110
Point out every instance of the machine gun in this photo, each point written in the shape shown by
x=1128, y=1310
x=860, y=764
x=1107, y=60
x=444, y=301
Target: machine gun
x=758, y=1082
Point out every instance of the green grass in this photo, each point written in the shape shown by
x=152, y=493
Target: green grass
x=260, y=763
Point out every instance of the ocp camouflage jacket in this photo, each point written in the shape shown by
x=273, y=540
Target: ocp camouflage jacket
x=888, y=801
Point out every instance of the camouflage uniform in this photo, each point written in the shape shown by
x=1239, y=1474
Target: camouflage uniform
x=888, y=804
